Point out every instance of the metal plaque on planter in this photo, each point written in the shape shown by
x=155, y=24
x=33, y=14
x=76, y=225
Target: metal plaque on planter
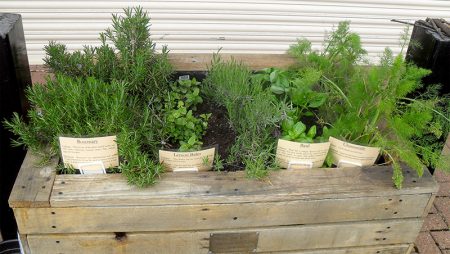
x=89, y=155
x=295, y=155
x=350, y=155
x=187, y=161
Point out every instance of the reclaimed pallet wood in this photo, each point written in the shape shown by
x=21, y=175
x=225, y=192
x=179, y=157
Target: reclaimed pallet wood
x=316, y=210
x=272, y=239
x=313, y=211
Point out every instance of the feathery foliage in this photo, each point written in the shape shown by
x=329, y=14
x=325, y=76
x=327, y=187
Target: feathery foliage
x=368, y=105
x=253, y=113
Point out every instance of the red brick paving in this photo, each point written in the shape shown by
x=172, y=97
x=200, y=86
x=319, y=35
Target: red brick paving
x=435, y=235
x=443, y=206
x=442, y=238
x=425, y=244
x=444, y=189
x=442, y=176
x=434, y=222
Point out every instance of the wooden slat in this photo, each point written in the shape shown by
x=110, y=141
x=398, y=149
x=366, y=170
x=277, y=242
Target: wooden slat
x=235, y=187
x=429, y=205
x=338, y=235
x=33, y=184
x=410, y=248
x=24, y=243
x=200, y=62
x=380, y=249
x=217, y=216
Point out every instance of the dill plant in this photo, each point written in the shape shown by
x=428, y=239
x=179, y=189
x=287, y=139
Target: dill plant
x=369, y=105
x=253, y=112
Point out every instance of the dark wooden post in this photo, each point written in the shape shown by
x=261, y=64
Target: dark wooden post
x=14, y=78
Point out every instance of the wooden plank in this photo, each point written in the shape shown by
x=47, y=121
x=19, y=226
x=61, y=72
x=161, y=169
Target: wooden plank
x=380, y=249
x=33, y=184
x=216, y=216
x=410, y=248
x=24, y=243
x=235, y=187
x=200, y=62
x=429, y=205
x=290, y=238
x=341, y=235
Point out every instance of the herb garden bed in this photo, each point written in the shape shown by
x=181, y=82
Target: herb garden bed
x=328, y=210
x=349, y=210
x=124, y=109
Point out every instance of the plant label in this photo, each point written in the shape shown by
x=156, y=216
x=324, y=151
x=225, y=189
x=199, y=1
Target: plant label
x=295, y=155
x=184, y=77
x=89, y=155
x=187, y=161
x=350, y=155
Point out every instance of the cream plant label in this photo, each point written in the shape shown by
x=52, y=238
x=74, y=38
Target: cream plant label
x=350, y=155
x=89, y=155
x=295, y=155
x=187, y=161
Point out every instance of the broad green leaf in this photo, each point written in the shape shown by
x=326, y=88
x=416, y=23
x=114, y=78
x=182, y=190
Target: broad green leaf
x=312, y=132
x=318, y=100
x=299, y=128
x=277, y=89
x=287, y=124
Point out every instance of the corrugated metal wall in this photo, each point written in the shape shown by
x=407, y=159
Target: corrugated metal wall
x=201, y=26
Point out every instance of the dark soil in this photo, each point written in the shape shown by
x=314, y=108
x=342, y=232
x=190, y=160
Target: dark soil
x=219, y=131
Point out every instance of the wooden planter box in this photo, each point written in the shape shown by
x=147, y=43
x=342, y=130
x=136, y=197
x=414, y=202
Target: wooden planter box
x=311, y=211
x=349, y=210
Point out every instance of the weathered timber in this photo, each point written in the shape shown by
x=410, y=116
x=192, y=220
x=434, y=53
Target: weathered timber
x=289, y=238
x=34, y=183
x=212, y=187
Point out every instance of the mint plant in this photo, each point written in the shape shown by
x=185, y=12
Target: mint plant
x=181, y=125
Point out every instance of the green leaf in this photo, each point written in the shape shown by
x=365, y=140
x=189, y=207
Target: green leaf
x=287, y=124
x=292, y=134
x=318, y=100
x=192, y=140
x=312, y=132
x=299, y=128
x=180, y=121
x=277, y=89
x=190, y=125
x=273, y=76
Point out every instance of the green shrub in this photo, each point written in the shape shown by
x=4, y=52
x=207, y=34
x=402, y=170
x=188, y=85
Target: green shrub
x=87, y=107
